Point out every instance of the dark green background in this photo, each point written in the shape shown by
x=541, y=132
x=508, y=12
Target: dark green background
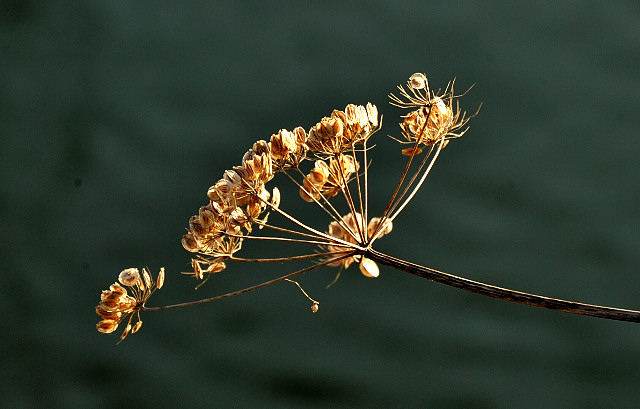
x=115, y=117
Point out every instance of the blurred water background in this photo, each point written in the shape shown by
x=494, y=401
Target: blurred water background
x=115, y=118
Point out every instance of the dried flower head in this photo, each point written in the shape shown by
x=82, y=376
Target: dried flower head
x=329, y=165
x=434, y=119
x=343, y=130
x=116, y=303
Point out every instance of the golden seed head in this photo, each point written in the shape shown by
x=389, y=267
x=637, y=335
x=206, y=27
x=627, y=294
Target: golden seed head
x=326, y=135
x=254, y=209
x=243, y=172
x=282, y=144
x=314, y=307
x=356, y=117
x=355, y=223
x=429, y=124
x=261, y=147
x=115, y=304
x=434, y=121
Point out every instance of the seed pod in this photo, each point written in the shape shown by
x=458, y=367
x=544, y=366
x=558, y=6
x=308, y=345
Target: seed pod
x=374, y=225
x=369, y=268
x=372, y=114
x=411, y=151
x=147, y=277
x=107, y=326
x=190, y=243
x=160, y=280
x=318, y=177
x=136, y=327
x=108, y=314
x=336, y=230
x=126, y=331
x=129, y=277
x=275, y=198
x=197, y=228
x=207, y=217
x=418, y=81
x=117, y=290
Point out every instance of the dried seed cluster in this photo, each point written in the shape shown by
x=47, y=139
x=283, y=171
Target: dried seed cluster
x=240, y=198
x=328, y=179
x=434, y=118
x=343, y=129
x=116, y=304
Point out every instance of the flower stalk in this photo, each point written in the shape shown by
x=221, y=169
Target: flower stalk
x=533, y=300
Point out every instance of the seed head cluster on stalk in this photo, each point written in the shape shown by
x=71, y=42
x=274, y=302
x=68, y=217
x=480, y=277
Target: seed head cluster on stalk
x=328, y=164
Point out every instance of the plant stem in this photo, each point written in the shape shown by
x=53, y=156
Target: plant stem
x=252, y=288
x=503, y=293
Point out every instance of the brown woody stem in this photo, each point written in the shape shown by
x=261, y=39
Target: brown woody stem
x=503, y=293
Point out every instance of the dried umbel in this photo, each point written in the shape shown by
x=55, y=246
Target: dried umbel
x=433, y=119
x=328, y=179
x=116, y=304
x=329, y=166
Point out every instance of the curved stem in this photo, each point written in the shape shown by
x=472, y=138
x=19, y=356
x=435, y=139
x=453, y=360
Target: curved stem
x=503, y=293
x=289, y=258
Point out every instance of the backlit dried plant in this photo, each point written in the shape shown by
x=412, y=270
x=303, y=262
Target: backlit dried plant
x=329, y=166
